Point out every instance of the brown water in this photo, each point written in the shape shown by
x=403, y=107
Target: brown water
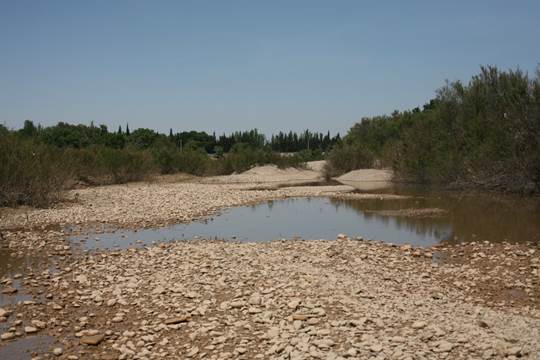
x=23, y=348
x=427, y=218
x=14, y=267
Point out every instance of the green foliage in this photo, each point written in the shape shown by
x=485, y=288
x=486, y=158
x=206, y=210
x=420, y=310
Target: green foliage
x=143, y=138
x=31, y=173
x=40, y=162
x=104, y=165
x=347, y=157
x=485, y=133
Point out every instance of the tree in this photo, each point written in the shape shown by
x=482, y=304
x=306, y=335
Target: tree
x=28, y=130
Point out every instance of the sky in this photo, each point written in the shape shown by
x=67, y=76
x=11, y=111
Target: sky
x=236, y=65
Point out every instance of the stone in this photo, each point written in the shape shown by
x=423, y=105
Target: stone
x=39, y=324
x=194, y=351
x=92, y=339
x=352, y=352
x=376, y=347
x=58, y=351
x=7, y=336
x=9, y=290
x=30, y=330
x=513, y=351
x=418, y=325
x=443, y=346
x=293, y=304
x=177, y=320
x=255, y=299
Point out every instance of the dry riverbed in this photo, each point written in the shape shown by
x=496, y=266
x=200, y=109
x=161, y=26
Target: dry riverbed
x=334, y=299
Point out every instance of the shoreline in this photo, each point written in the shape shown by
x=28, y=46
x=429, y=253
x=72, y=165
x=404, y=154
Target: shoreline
x=371, y=294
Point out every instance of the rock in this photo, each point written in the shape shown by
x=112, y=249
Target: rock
x=482, y=324
x=255, y=299
x=352, y=352
x=177, y=320
x=513, y=351
x=194, y=351
x=39, y=324
x=159, y=290
x=418, y=325
x=237, y=304
x=9, y=290
x=92, y=339
x=81, y=279
x=58, y=351
x=376, y=347
x=7, y=336
x=293, y=304
x=443, y=346
x=30, y=330
x=323, y=343
x=273, y=332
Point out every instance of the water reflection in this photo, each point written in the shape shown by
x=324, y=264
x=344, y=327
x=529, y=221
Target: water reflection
x=469, y=217
x=13, y=267
x=449, y=218
x=24, y=347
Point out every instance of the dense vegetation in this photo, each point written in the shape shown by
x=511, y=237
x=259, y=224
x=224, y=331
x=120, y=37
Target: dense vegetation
x=38, y=162
x=482, y=134
x=485, y=134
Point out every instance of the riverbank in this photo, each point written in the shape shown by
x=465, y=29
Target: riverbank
x=284, y=299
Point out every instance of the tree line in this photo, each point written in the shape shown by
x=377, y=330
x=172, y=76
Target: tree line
x=81, y=136
x=38, y=162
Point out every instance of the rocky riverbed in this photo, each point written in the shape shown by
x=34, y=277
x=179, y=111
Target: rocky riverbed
x=334, y=299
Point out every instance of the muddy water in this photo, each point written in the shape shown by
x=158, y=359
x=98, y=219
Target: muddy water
x=469, y=217
x=13, y=268
x=24, y=347
x=424, y=219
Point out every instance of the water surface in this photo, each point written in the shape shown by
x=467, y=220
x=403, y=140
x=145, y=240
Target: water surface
x=449, y=218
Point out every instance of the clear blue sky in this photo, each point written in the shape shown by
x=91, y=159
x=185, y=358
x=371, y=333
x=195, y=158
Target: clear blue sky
x=234, y=65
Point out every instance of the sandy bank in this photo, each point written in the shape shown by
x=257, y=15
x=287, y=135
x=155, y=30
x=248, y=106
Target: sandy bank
x=367, y=179
x=272, y=175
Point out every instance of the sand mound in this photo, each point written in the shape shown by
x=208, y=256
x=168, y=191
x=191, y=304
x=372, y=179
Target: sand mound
x=367, y=175
x=367, y=179
x=271, y=170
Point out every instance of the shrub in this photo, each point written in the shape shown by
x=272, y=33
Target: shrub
x=347, y=157
x=31, y=173
x=100, y=165
x=485, y=133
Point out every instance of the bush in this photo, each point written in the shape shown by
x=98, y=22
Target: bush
x=103, y=165
x=482, y=134
x=31, y=173
x=348, y=157
x=243, y=157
